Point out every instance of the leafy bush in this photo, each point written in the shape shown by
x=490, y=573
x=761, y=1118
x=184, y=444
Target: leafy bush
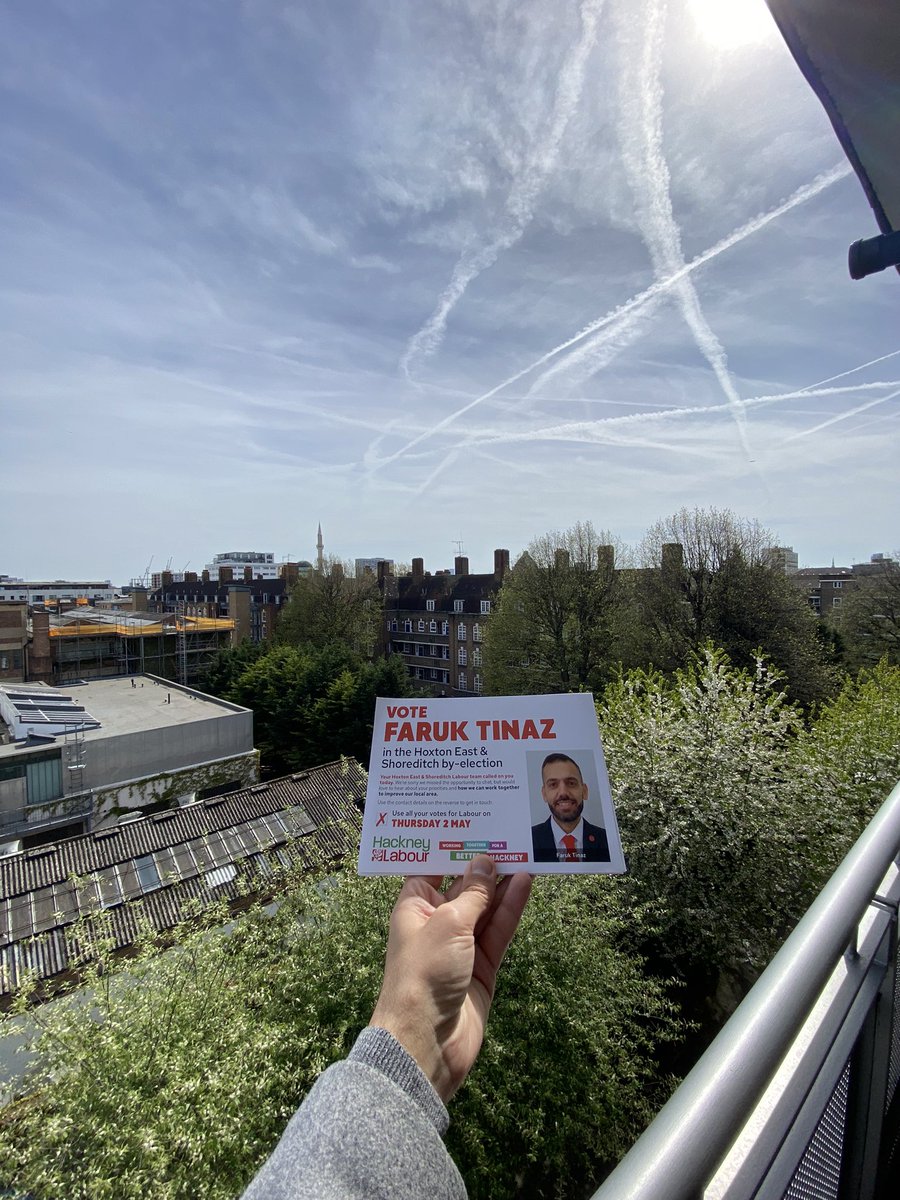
x=854, y=744
x=568, y=1076
x=178, y=1077
x=725, y=831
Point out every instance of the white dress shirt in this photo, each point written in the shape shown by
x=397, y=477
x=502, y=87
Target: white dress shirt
x=562, y=851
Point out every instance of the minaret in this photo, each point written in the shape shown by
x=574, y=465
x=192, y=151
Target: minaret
x=320, y=557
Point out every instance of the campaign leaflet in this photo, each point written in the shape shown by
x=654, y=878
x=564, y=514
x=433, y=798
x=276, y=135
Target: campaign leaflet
x=521, y=778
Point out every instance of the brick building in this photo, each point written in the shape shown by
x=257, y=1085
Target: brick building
x=436, y=623
x=253, y=602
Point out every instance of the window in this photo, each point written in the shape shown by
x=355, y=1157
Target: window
x=407, y=626
x=389, y=624
x=461, y=681
x=485, y=606
x=836, y=602
x=445, y=627
x=429, y=605
x=837, y=583
x=394, y=625
x=458, y=605
x=476, y=633
x=476, y=683
x=109, y=887
x=147, y=874
x=43, y=779
x=421, y=627
x=462, y=657
x=476, y=658
x=461, y=632
x=432, y=626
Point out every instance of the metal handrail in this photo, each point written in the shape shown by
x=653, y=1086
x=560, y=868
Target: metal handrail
x=679, y=1152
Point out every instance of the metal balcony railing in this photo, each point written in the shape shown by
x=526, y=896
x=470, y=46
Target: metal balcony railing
x=797, y=1097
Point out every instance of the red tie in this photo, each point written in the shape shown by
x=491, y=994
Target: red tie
x=569, y=842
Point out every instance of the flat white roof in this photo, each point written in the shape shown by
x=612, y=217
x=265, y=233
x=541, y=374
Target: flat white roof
x=129, y=704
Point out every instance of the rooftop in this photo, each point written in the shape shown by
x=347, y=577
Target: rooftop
x=122, y=704
x=159, y=868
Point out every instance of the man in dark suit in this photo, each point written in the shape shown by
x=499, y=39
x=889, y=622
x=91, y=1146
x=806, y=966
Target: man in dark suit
x=565, y=836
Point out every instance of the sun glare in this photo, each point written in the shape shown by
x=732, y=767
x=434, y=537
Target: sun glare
x=728, y=24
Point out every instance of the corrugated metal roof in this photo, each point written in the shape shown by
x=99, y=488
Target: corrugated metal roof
x=160, y=869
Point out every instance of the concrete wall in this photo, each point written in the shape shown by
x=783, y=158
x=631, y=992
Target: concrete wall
x=150, y=752
x=172, y=787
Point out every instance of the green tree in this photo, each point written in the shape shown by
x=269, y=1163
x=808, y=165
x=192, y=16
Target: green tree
x=223, y=671
x=179, y=1082
x=854, y=744
x=554, y=625
x=726, y=833
x=332, y=608
x=707, y=577
x=869, y=618
x=313, y=705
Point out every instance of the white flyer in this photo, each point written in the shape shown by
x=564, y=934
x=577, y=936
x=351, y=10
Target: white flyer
x=520, y=778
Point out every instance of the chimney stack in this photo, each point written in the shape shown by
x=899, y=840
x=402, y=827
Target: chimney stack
x=606, y=559
x=40, y=666
x=501, y=564
x=204, y=575
x=560, y=559
x=672, y=558
x=418, y=568
x=460, y=565
x=248, y=574
x=239, y=611
x=226, y=574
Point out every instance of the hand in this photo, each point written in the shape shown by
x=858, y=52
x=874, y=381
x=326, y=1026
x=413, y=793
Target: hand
x=443, y=953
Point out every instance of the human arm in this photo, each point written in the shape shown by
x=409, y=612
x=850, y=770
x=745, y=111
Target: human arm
x=443, y=954
x=372, y=1124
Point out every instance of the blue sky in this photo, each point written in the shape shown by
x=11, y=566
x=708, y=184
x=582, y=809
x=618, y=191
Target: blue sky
x=426, y=272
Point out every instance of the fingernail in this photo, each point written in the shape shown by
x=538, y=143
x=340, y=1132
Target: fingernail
x=482, y=865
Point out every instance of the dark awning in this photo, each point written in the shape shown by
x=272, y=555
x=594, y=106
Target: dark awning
x=849, y=51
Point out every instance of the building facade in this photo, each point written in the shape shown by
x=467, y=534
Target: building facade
x=54, y=591
x=13, y=642
x=261, y=564
x=79, y=758
x=254, y=605
x=436, y=623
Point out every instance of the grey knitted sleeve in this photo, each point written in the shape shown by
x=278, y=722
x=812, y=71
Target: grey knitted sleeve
x=370, y=1127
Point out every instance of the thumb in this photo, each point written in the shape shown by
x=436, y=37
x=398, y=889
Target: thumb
x=479, y=883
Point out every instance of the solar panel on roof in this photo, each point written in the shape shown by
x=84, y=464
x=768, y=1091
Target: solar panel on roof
x=44, y=909
x=64, y=901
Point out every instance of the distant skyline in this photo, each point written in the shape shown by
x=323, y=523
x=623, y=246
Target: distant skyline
x=465, y=270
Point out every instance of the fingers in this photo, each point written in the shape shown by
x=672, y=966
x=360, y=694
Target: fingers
x=477, y=888
x=504, y=921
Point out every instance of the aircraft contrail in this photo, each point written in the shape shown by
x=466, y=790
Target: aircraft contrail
x=843, y=416
x=523, y=195
x=648, y=174
x=625, y=311
x=862, y=366
x=609, y=430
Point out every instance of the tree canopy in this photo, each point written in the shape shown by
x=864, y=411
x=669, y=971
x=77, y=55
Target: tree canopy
x=313, y=705
x=332, y=608
x=554, y=627
x=869, y=619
